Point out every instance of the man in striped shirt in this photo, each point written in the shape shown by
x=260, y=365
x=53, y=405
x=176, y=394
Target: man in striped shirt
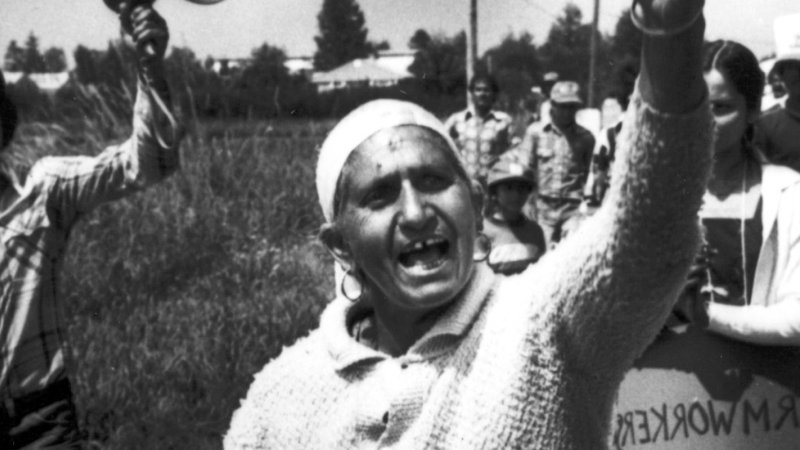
x=36, y=215
x=481, y=133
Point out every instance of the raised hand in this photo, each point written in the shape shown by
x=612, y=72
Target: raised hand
x=671, y=76
x=147, y=29
x=665, y=17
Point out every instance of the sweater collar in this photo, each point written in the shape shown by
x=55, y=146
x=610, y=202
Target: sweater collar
x=346, y=352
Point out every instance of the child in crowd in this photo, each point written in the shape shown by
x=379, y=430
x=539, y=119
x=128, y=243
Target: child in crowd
x=516, y=240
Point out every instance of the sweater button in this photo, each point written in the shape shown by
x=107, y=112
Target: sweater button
x=404, y=366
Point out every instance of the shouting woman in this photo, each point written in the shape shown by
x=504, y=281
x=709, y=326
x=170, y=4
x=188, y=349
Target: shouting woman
x=426, y=347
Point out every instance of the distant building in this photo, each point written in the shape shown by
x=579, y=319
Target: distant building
x=48, y=83
x=299, y=65
x=386, y=69
x=296, y=65
x=226, y=66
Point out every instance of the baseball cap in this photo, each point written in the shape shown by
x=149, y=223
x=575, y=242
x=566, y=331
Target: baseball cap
x=505, y=170
x=566, y=92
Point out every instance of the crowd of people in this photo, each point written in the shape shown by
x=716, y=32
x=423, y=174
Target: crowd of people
x=747, y=265
x=480, y=304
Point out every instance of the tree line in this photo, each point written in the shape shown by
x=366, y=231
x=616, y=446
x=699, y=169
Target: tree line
x=263, y=86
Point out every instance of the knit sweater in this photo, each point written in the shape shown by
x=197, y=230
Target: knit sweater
x=527, y=361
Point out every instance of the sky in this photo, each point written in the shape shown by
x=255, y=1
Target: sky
x=231, y=29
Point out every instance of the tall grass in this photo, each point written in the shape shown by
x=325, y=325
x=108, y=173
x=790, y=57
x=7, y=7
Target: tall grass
x=175, y=296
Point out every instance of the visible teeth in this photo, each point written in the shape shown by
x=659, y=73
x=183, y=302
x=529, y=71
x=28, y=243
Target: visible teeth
x=424, y=254
x=426, y=243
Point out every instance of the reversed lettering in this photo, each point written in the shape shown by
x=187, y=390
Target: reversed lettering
x=721, y=421
x=662, y=422
x=697, y=415
x=680, y=415
x=787, y=405
x=762, y=411
x=700, y=418
x=643, y=425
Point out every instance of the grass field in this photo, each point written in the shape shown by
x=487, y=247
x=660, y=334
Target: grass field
x=176, y=296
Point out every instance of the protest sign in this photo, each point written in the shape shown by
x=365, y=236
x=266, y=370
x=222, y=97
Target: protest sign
x=692, y=389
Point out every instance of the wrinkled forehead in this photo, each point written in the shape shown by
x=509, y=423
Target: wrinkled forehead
x=409, y=145
x=405, y=147
x=399, y=138
x=356, y=128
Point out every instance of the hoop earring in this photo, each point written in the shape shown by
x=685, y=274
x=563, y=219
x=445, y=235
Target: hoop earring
x=351, y=286
x=483, y=246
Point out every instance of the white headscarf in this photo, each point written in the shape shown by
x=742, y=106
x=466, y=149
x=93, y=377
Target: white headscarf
x=356, y=128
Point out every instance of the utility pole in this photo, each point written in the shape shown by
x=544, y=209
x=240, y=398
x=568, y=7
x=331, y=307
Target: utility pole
x=593, y=54
x=472, y=41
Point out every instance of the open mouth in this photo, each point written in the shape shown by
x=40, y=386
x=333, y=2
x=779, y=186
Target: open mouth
x=425, y=254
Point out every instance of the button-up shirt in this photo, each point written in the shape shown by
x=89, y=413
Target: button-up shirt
x=560, y=158
x=481, y=141
x=33, y=237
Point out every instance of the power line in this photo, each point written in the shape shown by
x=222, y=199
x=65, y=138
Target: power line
x=541, y=9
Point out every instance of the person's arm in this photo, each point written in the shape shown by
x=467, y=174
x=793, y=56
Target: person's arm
x=610, y=286
x=587, y=149
x=593, y=177
x=75, y=185
x=777, y=324
x=528, y=153
x=509, y=138
x=598, y=172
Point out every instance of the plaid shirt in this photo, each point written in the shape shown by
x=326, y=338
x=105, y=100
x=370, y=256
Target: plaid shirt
x=34, y=232
x=560, y=159
x=481, y=141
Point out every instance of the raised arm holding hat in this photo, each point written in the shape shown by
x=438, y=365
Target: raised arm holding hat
x=37, y=213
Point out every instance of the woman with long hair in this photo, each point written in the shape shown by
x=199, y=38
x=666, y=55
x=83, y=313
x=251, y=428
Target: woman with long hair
x=747, y=280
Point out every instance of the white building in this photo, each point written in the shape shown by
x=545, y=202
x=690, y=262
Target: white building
x=387, y=69
x=298, y=65
x=48, y=83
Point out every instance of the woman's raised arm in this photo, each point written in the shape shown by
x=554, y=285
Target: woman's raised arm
x=610, y=286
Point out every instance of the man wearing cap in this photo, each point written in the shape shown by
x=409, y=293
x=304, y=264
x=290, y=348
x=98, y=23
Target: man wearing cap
x=559, y=152
x=37, y=212
x=481, y=133
x=777, y=132
x=516, y=240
